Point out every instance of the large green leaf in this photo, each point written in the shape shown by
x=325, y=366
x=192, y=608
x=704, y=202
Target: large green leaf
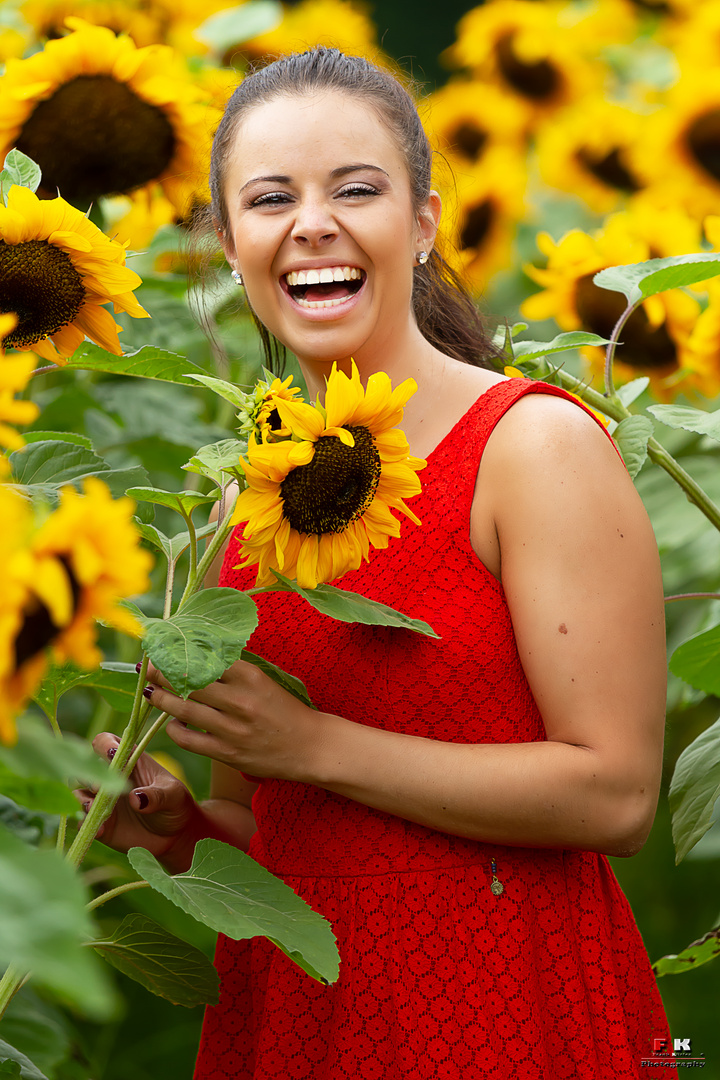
x=145, y=363
x=694, y=790
x=697, y=953
x=38, y=1029
x=173, y=546
x=632, y=436
x=40, y=755
x=290, y=683
x=174, y=500
x=58, y=436
x=697, y=661
x=117, y=687
x=217, y=458
x=46, y=465
x=196, y=645
x=228, y=891
x=237, y=24
x=640, y=280
x=161, y=962
x=14, y=1063
x=37, y=792
x=632, y=390
x=19, y=169
x=351, y=607
x=45, y=922
x=229, y=391
x=680, y=416
x=574, y=339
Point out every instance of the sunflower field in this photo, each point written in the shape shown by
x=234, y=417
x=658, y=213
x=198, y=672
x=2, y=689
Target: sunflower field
x=578, y=157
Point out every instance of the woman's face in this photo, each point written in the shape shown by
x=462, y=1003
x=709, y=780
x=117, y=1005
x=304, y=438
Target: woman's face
x=322, y=226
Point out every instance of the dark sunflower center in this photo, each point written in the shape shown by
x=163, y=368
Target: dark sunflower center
x=643, y=346
x=39, y=282
x=476, y=224
x=537, y=81
x=336, y=487
x=95, y=137
x=38, y=629
x=610, y=169
x=703, y=138
x=468, y=139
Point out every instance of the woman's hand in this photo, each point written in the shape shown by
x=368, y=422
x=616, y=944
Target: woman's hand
x=244, y=720
x=153, y=815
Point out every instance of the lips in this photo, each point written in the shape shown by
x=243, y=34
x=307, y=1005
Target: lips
x=322, y=287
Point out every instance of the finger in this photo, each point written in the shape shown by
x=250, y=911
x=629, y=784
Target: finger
x=105, y=745
x=188, y=711
x=212, y=695
x=200, y=742
x=85, y=797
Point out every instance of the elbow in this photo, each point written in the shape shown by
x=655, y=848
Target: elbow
x=628, y=824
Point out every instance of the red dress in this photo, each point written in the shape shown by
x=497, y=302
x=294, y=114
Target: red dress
x=440, y=979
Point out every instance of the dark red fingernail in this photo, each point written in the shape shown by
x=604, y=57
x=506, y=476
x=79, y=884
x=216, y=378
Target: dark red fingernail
x=148, y=691
x=112, y=752
x=137, y=667
x=86, y=806
x=142, y=799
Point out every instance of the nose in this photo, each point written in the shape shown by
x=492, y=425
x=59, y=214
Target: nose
x=314, y=223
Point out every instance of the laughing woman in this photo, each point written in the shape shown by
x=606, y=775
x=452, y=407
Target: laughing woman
x=450, y=806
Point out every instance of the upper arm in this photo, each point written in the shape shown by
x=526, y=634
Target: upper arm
x=580, y=571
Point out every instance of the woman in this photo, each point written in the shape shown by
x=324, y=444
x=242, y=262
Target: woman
x=450, y=805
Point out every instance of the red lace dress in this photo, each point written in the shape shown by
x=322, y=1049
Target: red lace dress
x=440, y=978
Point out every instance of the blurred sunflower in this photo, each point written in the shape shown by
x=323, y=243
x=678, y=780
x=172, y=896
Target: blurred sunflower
x=315, y=22
x=261, y=416
x=585, y=151
x=655, y=337
x=15, y=371
x=128, y=117
x=483, y=210
x=315, y=503
x=57, y=269
x=466, y=117
x=682, y=140
x=133, y=17
x=702, y=358
x=523, y=47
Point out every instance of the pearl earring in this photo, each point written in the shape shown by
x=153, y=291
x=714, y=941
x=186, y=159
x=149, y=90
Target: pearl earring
x=422, y=258
x=237, y=278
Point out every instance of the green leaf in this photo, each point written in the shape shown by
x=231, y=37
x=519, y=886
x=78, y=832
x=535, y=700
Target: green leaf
x=216, y=458
x=228, y=891
x=174, y=500
x=697, y=953
x=697, y=661
x=632, y=436
x=117, y=689
x=694, y=790
x=40, y=755
x=161, y=962
x=37, y=793
x=15, y=1063
x=640, y=280
x=288, y=682
x=44, y=924
x=41, y=467
x=235, y=25
x=629, y=392
x=224, y=389
x=37, y=1029
x=173, y=547
x=574, y=339
x=58, y=436
x=21, y=170
x=196, y=645
x=679, y=416
x=145, y=363
x=351, y=607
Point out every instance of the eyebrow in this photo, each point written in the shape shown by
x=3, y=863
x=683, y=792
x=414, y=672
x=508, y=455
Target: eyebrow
x=342, y=170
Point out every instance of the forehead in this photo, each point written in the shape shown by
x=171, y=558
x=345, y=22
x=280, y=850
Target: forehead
x=327, y=129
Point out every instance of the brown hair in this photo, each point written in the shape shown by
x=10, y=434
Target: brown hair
x=445, y=312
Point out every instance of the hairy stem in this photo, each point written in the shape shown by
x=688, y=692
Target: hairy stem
x=118, y=891
x=610, y=351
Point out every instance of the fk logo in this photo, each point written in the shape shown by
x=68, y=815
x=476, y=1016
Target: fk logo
x=662, y=1046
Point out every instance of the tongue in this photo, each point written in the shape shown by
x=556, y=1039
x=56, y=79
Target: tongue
x=332, y=290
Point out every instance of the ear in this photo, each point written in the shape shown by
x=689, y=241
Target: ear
x=226, y=244
x=429, y=221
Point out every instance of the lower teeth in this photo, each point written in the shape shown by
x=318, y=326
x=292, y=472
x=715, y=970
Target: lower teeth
x=323, y=303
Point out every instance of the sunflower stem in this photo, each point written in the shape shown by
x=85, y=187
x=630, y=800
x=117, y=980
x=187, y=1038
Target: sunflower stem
x=10, y=983
x=118, y=891
x=692, y=596
x=156, y=726
x=610, y=351
x=169, y=582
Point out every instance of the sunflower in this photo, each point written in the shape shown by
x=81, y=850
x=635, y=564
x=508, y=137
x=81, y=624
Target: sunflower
x=682, y=140
x=128, y=117
x=585, y=151
x=15, y=371
x=655, y=338
x=57, y=269
x=702, y=359
x=523, y=47
x=316, y=22
x=315, y=503
x=261, y=416
x=467, y=117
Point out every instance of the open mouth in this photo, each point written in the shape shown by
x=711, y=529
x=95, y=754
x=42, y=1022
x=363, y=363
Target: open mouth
x=328, y=286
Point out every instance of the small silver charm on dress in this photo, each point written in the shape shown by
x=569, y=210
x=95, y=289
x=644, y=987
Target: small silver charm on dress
x=496, y=887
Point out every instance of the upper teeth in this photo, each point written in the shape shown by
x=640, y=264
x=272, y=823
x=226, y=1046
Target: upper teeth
x=323, y=276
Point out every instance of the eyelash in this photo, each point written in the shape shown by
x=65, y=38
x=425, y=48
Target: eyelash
x=279, y=198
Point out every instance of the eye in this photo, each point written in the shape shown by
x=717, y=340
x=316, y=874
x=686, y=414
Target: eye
x=271, y=198
x=357, y=191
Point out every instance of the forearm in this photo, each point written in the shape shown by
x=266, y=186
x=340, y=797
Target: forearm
x=217, y=819
x=541, y=794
